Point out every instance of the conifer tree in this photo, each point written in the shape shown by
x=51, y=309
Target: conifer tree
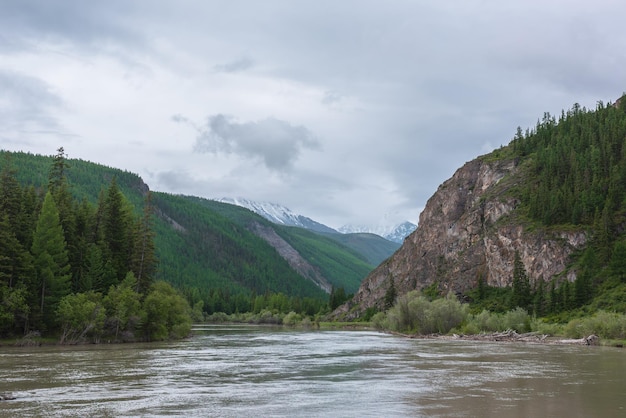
x=59, y=188
x=116, y=224
x=143, y=259
x=49, y=249
x=539, y=299
x=521, y=295
x=390, y=295
x=10, y=192
x=16, y=263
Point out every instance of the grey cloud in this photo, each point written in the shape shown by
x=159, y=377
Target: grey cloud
x=235, y=66
x=174, y=180
x=31, y=102
x=331, y=97
x=277, y=143
x=88, y=26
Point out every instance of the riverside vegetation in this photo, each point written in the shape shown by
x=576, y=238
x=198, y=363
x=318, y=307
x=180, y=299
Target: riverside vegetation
x=80, y=272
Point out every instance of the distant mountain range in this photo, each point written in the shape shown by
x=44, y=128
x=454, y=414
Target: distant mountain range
x=391, y=232
x=278, y=214
x=284, y=216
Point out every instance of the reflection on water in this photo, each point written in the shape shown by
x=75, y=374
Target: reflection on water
x=246, y=370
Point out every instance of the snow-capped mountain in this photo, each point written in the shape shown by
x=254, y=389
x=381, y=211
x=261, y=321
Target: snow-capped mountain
x=278, y=214
x=273, y=212
x=391, y=232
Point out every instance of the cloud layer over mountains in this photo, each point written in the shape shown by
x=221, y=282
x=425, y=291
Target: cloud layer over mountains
x=344, y=111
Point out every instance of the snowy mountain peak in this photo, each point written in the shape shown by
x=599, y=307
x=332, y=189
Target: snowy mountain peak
x=278, y=214
x=391, y=232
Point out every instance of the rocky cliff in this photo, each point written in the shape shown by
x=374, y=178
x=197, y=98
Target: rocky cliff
x=469, y=229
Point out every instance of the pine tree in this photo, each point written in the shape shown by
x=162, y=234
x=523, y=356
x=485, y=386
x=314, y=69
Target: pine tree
x=539, y=299
x=521, y=295
x=116, y=227
x=52, y=278
x=10, y=192
x=16, y=264
x=390, y=295
x=143, y=258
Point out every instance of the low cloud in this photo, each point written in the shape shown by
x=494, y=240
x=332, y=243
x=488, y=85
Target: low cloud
x=275, y=142
x=331, y=97
x=26, y=103
x=236, y=66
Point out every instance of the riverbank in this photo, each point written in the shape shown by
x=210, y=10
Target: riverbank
x=513, y=336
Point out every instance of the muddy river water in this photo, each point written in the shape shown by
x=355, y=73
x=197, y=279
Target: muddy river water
x=240, y=371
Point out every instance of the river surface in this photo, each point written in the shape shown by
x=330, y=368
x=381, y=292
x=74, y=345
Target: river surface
x=240, y=371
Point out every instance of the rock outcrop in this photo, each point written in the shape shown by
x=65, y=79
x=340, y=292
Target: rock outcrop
x=291, y=255
x=469, y=229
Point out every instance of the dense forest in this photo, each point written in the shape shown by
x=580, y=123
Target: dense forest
x=80, y=270
x=204, y=249
x=574, y=177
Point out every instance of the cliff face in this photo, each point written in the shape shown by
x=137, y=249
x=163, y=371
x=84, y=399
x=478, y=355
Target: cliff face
x=468, y=230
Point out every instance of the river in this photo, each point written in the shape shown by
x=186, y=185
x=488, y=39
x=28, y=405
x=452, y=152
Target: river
x=239, y=371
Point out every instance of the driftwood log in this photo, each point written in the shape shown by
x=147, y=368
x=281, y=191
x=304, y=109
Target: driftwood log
x=509, y=336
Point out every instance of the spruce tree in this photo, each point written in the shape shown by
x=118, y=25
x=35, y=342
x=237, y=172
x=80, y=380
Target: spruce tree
x=521, y=295
x=143, y=261
x=116, y=227
x=49, y=250
x=10, y=193
x=390, y=295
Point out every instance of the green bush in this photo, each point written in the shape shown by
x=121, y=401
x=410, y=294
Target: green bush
x=542, y=326
x=292, y=319
x=217, y=317
x=379, y=320
x=516, y=319
x=604, y=324
x=167, y=313
x=414, y=313
x=82, y=315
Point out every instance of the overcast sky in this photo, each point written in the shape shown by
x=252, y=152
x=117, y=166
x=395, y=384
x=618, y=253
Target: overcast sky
x=346, y=111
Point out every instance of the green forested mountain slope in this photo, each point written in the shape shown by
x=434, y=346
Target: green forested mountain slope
x=339, y=263
x=374, y=248
x=574, y=177
x=204, y=247
x=85, y=179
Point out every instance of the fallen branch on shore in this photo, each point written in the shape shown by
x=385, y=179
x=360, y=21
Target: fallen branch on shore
x=508, y=336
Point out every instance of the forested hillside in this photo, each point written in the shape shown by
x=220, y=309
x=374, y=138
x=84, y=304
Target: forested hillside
x=574, y=172
x=335, y=256
x=373, y=249
x=218, y=261
x=204, y=248
x=79, y=270
x=538, y=225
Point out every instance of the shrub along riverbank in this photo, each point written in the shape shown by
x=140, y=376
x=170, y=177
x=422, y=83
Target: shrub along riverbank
x=415, y=314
